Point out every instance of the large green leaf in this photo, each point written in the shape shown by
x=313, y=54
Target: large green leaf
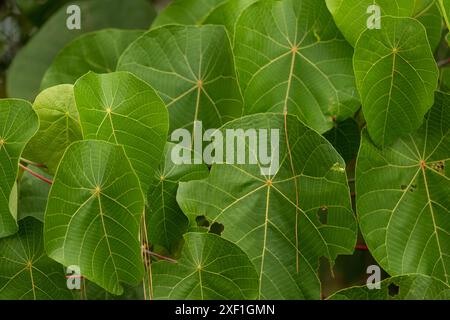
x=18, y=123
x=210, y=268
x=97, y=51
x=166, y=223
x=119, y=108
x=58, y=126
x=192, y=69
x=30, y=64
x=25, y=271
x=284, y=222
x=407, y=287
x=93, y=215
x=291, y=57
x=352, y=16
x=396, y=77
x=403, y=198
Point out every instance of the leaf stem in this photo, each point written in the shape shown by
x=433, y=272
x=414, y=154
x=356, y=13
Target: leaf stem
x=361, y=247
x=37, y=175
x=154, y=254
x=34, y=164
x=443, y=63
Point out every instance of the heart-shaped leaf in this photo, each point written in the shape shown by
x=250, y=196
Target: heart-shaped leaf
x=119, y=108
x=396, y=76
x=18, y=123
x=403, y=198
x=210, y=268
x=25, y=271
x=291, y=57
x=192, y=68
x=354, y=16
x=58, y=126
x=408, y=287
x=284, y=222
x=29, y=66
x=97, y=51
x=166, y=223
x=93, y=215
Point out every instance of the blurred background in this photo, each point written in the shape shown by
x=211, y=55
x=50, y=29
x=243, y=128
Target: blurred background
x=21, y=21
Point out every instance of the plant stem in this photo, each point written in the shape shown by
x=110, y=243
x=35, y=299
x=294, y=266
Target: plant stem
x=442, y=63
x=34, y=164
x=154, y=254
x=37, y=175
x=361, y=247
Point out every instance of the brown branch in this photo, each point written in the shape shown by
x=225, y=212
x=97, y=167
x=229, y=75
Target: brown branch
x=159, y=256
x=37, y=175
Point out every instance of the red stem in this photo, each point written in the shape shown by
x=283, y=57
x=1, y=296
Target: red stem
x=361, y=247
x=34, y=164
x=443, y=62
x=37, y=175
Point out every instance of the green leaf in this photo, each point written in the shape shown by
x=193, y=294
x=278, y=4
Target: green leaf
x=444, y=5
x=33, y=194
x=189, y=12
x=26, y=72
x=405, y=287
x=93, y=215
x=396, y=77
x=166, y=223
x=444, y=80
x=192, y=69
x=97, y=51
x=26, y=273
x=58, y=126
x=291, y=57
x=353, y=16
x=210, y=268
x=284, y=222
x=345, y=138
x=403, y=198
x=18, y=123
x=119, y=108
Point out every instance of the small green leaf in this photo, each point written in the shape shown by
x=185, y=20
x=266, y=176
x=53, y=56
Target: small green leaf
x=192, y=69
x=58, y=126
x=26, y=273
x=119, y=108
x=405, y=287
x=96, y=51
x=403, y=198
x=396, y=77
x=18, y=123
x=210, y=268
x=93, y=215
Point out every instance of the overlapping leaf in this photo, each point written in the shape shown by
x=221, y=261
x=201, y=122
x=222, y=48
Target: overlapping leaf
x=353, y=16
x=445, y=10
x=97, y=51
x=120, y=108
x=210, y=268
x=284, y=222
x=345, y=138
x=396, y=77
x=18, y=123
x=166, y=223
x=93, y=215
x=26, y=272
x=407, y=287
x=403, y=198
x=192, y=69
x=29, y=65
x=58, y=126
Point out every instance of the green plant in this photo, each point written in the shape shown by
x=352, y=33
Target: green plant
x=358, y=116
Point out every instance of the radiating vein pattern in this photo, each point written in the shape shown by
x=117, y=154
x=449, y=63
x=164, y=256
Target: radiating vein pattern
x=403, y=198
x=291, y=57
x=93, y=215
x=192, y=69
x=259, y=213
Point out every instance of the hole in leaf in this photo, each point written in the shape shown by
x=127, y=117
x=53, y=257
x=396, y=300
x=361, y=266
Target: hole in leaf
x=217, y=228
x=322, y=214
x=202, y=221
x=403, y=186
x=413, y=188
x=393, y=289
x=438, y=166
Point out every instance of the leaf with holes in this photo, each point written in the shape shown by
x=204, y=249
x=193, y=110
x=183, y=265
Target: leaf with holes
x=97, y=51
x=93, y=215
x=403, y=198
x=291, y=57
x=396, y=77
x=192, y=69
x=286, y=221
x=18, y=123
x=210, y=268
x=119, y=108
x=26, y=272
